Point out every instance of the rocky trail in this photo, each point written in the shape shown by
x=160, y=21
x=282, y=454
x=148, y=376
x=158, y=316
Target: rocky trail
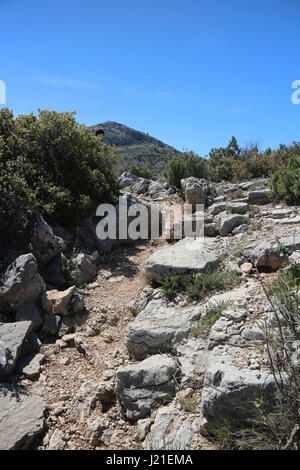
x=114, y=363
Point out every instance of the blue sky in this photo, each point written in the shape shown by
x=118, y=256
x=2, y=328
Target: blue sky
x=191, y=73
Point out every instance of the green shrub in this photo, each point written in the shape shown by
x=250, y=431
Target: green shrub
x=170, y=286
x=183, y=167
x=198, y=286
x=285, y=183
x=51, y=164
x=141, y=171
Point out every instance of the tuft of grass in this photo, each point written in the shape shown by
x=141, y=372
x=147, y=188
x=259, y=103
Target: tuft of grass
x=188, y=404
x=170, y=286
x=198, y=286
x=213, y=313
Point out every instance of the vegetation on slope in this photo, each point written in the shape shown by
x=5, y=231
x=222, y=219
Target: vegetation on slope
x=51, y=164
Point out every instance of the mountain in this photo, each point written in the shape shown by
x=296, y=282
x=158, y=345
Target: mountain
x=137, y=148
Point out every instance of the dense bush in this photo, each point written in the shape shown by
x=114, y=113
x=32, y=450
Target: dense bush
x=235, y=163
x=51, y=164
x=141, y=171
x=285, y=183
x=184, y=166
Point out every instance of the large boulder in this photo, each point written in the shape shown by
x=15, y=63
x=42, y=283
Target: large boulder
x=85, y=268
x=158, y=328
x=229, y=392
x=21, y=417
x=217, y=207
x=21, y=283
x=127, y=179
x=192, y=358
x=140, y=386
x=157, y=191
x=229, y=222
x=237, y=207
x=170, y=431
x=141, y=186
x=45, y=245
x=267, y=255
x=188, y=256
x=12, y=337
x=195, y=190
x=259, y=196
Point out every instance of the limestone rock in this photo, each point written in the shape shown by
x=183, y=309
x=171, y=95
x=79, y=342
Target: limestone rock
x=30, y=365
x=229, y=392
x=21, y=417
x=170, y=431
x=237, y=207
x=45, y=245
x=141, y=385
x=260, y=196
x=56, y=302
x=127, y=179
x=12, y=337
x=29, y=312
x=57, y=440
x=188, y=256
x=85, y=270
x=217, y=207
x=21, y=283
x=89, y=395
x=267, y=254
x=230, y=222
x=158, y=328
x=192, y=358
x=195, y=190
x=51, y=324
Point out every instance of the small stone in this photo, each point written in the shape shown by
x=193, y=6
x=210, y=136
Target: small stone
x=246, y=267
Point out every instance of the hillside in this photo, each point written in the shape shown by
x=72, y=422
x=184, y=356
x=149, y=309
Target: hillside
x=138, y=148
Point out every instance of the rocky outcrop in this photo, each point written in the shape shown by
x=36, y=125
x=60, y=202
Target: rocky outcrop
x=158, y=328
x=21, y=417
x=229, y=222
x=188, y=256
x=21, y=283
x=192, y=357
x=45, y=245
x=170, y=431
x=12, y=337
x=229, y=392
x=127, y=179
x=195, y=191
x=268, y=255
x=237, y=207
x=260, y=196
x=85, y=268
x=141, y=385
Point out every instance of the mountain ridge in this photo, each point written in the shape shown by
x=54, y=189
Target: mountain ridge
x=137, y=147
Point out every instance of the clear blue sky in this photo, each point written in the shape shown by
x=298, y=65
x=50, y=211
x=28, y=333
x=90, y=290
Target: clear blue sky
x=191, y=73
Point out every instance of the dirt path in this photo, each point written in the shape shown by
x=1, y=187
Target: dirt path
x=119, y=283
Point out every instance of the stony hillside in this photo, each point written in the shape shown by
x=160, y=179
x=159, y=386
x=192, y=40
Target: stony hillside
x=156, y=344
x=138, y=148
